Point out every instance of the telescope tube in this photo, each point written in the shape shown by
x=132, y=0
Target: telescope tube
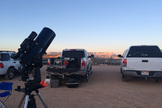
x=42, y=42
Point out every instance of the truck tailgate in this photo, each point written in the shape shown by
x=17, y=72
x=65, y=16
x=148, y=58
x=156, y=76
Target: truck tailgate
x=62, y=70
x=144, y=64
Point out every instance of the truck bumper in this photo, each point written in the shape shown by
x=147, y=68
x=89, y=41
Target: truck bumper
x=153, y=74
x=66, y=71
x=2, y=72
x=79, y=73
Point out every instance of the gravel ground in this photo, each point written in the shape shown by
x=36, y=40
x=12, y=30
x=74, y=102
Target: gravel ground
x=103, y=90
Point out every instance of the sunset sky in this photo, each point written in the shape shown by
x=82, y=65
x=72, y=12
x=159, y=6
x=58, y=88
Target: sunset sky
x=95, y=25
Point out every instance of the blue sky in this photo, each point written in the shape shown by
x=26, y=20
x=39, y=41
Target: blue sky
x=95, y=25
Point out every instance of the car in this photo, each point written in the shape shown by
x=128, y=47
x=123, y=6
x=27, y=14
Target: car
x=8, y=66
x=141, y=61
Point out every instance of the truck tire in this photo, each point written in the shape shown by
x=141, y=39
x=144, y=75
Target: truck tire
x=156, y=80
x=90, y=70
x=124, y=78
x=10, y=73
x=120, y=70
x=86, y=77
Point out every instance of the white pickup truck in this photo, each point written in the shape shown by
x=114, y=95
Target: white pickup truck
x=8, y=66
x=142, y=61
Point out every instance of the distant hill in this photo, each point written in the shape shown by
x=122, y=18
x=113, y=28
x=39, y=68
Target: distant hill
x=52, y=55
x=106, y=55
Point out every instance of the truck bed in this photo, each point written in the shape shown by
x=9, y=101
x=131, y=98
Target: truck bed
x=73, y=65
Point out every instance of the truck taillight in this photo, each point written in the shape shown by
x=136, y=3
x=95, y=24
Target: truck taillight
x=125, y=62
x=72, y=49
x=48, y=62
x=83, y=63
x=65, y=62
x=1, y=65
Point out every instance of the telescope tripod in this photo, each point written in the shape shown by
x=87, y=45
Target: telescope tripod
x=28, y=94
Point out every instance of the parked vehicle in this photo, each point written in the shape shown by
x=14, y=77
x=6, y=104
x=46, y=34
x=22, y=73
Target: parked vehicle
x=8, y=66
x=74, y=64
x=141, y=61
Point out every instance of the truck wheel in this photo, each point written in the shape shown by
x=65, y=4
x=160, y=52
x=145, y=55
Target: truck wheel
x=156, y=80
x=10, y=73
x=86, y=77
x=124, y=78
x=91, y=70
x=120, y=70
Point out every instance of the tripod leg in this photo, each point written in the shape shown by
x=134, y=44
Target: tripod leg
x=26, y=101
x=40, y=97
x=20, y=104
x=2, y=104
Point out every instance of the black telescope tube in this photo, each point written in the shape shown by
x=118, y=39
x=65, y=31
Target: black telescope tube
x=42, y=42
x=44, y=39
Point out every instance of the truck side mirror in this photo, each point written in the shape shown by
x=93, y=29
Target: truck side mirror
x=120, y=55
x=92, y=55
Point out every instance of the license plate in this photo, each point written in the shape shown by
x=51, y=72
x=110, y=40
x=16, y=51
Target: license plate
x=144, y=73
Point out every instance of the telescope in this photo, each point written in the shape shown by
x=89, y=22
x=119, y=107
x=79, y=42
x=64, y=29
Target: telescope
x=30, y=55
x=31, y=51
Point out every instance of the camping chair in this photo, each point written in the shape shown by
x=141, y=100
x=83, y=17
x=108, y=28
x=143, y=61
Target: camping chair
x=6, y=87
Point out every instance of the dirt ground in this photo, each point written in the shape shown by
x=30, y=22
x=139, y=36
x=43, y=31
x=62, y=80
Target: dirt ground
x=104, y=89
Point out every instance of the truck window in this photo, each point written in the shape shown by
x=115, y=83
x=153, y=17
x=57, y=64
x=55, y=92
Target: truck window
x=73, y=54
x=125, y=52
x=144, y=51
x=4, y=57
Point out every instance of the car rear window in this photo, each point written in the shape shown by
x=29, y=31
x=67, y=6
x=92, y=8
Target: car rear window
x=73, y=54
x=144, y=51
x=4, y=57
